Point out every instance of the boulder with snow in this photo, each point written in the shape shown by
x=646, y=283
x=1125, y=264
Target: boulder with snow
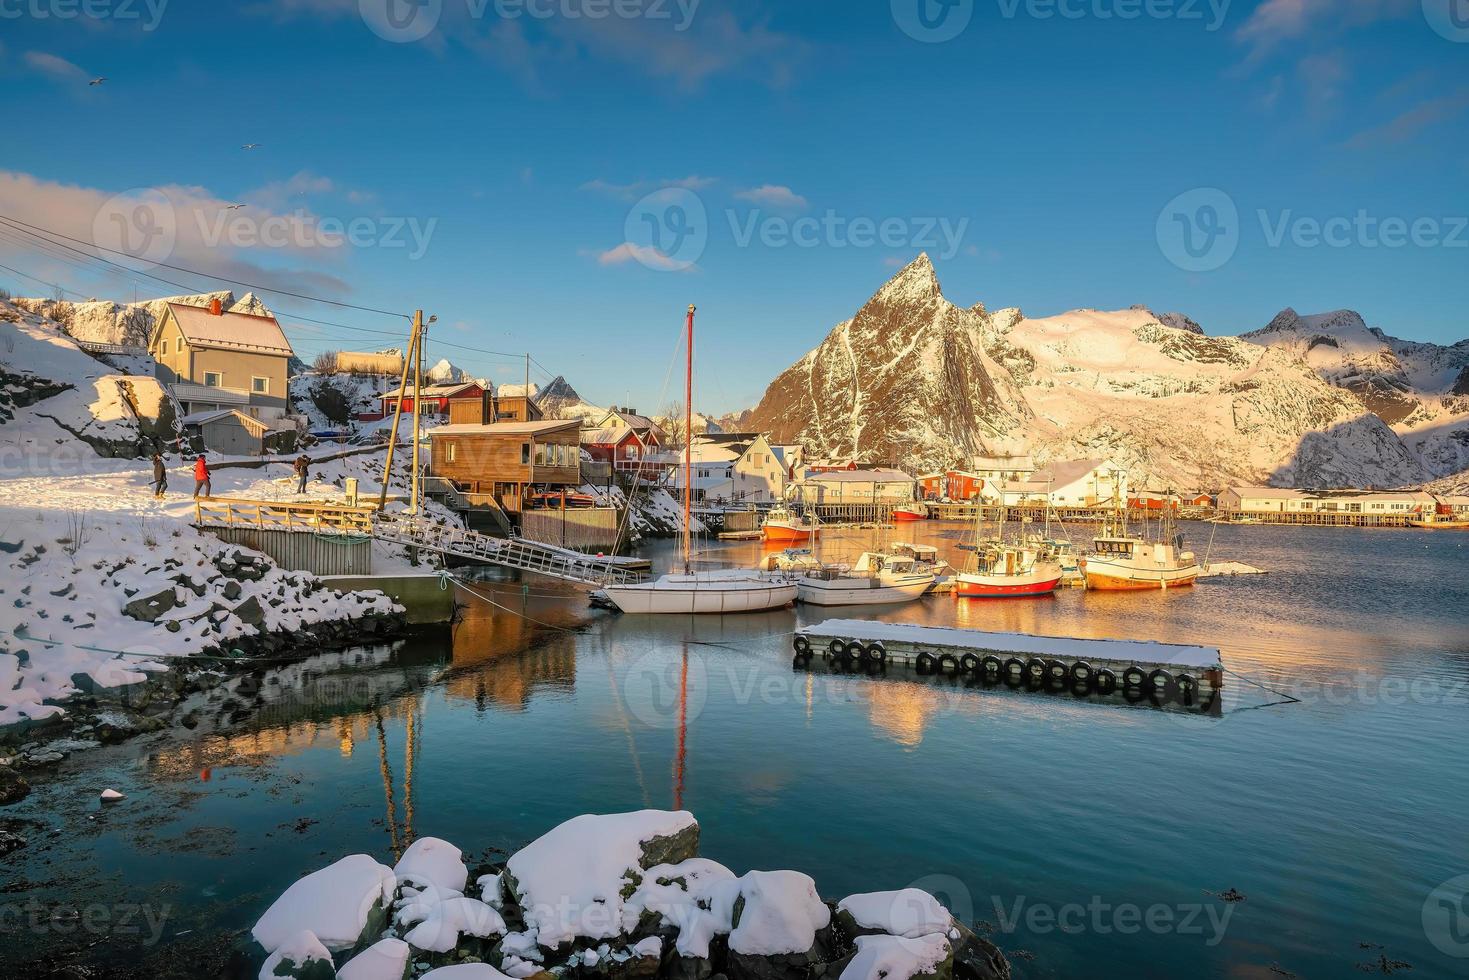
x=908, y=912
x=884, y=957
x=343, y=905
x=430, y=861
x=301, y=957
x=386, y=959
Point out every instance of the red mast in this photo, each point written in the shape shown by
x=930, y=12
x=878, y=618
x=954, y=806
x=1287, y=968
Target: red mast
x=688, y=442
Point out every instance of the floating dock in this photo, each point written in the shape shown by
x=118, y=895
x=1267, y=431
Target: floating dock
x=1163, y=670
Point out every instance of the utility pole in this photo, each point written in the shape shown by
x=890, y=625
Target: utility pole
x=412, y=352
x=527, y=387
x=414, y=501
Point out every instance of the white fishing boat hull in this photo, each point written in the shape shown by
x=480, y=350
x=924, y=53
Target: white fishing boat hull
x=702, y=594
x=863, y=591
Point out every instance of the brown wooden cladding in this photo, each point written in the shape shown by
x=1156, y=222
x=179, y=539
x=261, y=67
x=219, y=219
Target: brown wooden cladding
x=469, y=411
x=513, y=409
x=477, y=461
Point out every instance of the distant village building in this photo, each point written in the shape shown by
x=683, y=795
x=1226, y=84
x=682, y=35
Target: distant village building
x=626, y=440
x=792, y=456
x=844, y=487
x=958, y=485
x=1004, y=468
x=215, y=360
x=1246, y=501
x=734, y=467
x=233, y=433
x=1068, y=483
x=369, y=362
x=436, y=398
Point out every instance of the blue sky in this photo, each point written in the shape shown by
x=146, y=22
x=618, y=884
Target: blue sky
x=501, y=171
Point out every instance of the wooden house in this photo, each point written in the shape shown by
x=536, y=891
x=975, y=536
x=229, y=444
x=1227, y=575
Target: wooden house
x=233, y=433
x=509, y=461
x=437, y=399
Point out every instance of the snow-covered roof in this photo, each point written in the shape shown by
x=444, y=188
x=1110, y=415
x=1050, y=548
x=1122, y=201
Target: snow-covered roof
x=861, y=476
x=230, y=331
x=607, y=437
x=432, y=391
x=186, y=392
x=255, y=426
x=506, y=428
x=629, y=418
x=1065, y=472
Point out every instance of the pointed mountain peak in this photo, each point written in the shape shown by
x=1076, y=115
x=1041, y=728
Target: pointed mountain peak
x=916, y=282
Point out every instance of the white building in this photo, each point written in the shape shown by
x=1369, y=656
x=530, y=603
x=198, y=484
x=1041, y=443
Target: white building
x=878, y=486
x=1260, y=501
x=1069, y=483
x=1005, y=468
x=736, y=467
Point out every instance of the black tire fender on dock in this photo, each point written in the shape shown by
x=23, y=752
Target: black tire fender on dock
x=855, y=652
x=877, y=653
x=948, y=663
x=1014, y=671
x=1057, y=671
x=1035, y=669
x=1134, y=677
x=991, y=666
x=1082, y=673
x=836, y=648
x=1160, y=680
x=802, y=644
x=1106, y=680
x=969, y=663
x=925, y=663
x=1187, y=683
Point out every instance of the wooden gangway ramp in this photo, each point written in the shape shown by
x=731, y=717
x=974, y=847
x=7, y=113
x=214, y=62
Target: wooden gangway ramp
x=417, y=532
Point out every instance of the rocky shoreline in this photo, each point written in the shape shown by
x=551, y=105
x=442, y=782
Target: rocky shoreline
x=605, y=897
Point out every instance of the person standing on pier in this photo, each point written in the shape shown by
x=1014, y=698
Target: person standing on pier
x=160, y=476
x=201, y=477
x=302, y=467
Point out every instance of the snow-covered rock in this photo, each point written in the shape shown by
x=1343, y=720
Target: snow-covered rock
x=899, y=958
x=386, y=959
x=341, y=905
x=430, y=861
x=571, y=883
x=909, y=912
x=451, y=919
x=301, y=956
x=465, y=971
x=779, y=912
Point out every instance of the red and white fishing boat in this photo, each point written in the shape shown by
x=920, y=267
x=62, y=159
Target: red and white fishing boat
x=915, y=511
x=1003, y=571
x=783, y=527
x=1121, y=562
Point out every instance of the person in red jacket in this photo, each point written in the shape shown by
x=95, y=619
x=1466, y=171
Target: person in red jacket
x=201, y=477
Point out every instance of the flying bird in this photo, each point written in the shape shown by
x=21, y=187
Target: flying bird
x=233, y=207
x=251, y=146
x=97, y=81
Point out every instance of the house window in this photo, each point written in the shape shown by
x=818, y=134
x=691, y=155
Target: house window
x=165, y=347
x=525, y=454
x=212, y=379
x=260, y=386
x=451, y=447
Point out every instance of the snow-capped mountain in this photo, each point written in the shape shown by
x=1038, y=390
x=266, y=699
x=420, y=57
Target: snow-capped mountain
x=1420, y=389
x=446, y=372
x=559, y=400
x=128, y=324
x=914, y=379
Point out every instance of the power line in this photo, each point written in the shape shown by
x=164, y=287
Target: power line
x=207, y=275
x=43, y=282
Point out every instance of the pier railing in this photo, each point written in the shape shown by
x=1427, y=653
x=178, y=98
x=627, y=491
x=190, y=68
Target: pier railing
x=275, y=515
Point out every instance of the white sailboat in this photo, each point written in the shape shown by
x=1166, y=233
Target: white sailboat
x=726, y=591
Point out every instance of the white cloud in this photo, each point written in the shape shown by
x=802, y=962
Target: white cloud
x=1277, y=22
x=1406, y=125
x=773, y=195
x=644, y=254
x=56, y=67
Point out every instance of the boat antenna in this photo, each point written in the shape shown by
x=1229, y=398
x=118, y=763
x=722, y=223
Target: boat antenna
x=688, y=442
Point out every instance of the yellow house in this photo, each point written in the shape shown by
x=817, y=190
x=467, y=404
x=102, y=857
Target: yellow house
x=216, y=360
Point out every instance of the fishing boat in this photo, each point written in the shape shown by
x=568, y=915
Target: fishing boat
x=724, y=591
x=783, y=526
x=927, y=558
x=790, y=560
x=1122, y=562
x=1006, y=571
x=875, y=578
x=1441, y=518
x=914, y=511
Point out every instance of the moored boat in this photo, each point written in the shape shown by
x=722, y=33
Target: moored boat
x=1004, y=571
x=1121, y=562
x=914, y=511
x=726, y=591
x=875, y=578
x=783, y=526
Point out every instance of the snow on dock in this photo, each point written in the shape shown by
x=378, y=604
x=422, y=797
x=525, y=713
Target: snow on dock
x=1229, y=568
x=1100, y=664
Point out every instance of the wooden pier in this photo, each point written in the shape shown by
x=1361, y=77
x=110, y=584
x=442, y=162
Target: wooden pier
x=1163, y=671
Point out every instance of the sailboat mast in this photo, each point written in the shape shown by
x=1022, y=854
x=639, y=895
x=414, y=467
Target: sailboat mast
x=688, y=442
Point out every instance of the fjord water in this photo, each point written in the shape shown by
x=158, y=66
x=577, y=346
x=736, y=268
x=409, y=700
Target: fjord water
x=1092, y=837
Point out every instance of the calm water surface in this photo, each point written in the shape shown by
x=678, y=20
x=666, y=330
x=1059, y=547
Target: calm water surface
x=1335, y=816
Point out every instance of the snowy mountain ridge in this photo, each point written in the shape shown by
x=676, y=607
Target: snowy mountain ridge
x=914, y=379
